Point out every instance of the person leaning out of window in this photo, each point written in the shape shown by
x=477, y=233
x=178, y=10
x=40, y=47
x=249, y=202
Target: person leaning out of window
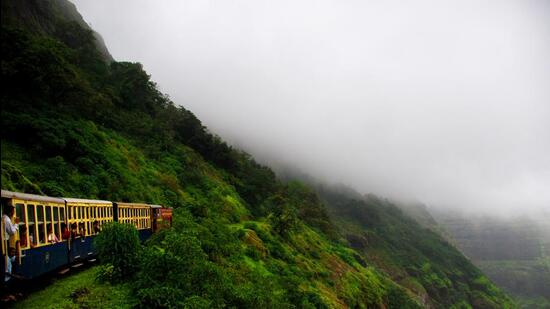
x=10, y=231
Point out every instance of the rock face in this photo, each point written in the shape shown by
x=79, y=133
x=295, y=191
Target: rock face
x=514, y=253
x=37, y=16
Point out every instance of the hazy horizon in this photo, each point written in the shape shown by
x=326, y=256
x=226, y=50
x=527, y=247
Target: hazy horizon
x=443, y=102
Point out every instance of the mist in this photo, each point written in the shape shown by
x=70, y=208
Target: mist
x=443, y=102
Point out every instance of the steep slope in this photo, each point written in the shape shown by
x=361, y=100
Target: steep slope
x=514, y=252
x=53, y=17
x=76, y=124
x=414, y=256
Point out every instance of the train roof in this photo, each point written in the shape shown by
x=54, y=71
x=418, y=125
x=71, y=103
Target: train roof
x=156, y=206
x=85, y=201
x=132, y=204
x=31, y=197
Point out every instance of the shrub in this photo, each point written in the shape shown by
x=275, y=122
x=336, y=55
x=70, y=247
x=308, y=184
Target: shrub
x=118, y=245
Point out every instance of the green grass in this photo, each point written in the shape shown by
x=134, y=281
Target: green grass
x=80, y=290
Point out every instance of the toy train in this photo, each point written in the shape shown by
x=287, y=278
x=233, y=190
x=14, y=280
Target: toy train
x=56, y=232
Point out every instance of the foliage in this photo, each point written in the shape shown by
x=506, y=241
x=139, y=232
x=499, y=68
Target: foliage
x=400, y=246
x=284, y=218
x=118, y=247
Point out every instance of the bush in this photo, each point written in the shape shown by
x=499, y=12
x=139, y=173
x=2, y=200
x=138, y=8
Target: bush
x=118, y=246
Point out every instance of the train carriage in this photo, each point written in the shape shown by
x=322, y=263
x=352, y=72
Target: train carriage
x=82, y=215
x=38, y=217
x=55, y=232
x=139, y=215
x=161, y=217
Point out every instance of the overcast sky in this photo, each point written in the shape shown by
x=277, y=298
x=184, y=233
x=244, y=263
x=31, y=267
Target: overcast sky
x=446, y=102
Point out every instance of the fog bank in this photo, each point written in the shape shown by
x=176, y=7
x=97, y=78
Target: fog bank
x=445, y=102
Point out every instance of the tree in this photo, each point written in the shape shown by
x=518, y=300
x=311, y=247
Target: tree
x=284, y=217
x=118, y=247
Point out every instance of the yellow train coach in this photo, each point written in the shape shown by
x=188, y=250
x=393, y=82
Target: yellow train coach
x=43, y=233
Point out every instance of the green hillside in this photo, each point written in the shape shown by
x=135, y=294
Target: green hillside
x=414, y=256
x=76, y=124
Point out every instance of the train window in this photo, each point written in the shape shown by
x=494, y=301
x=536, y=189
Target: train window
x=56, y=225
x=20, y=214
x=32, y=227
x=19, y=209
x=87, y=211
x=61, y=214
x=41, y=226
x=48, y=214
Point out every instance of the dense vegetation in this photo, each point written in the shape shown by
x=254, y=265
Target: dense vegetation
x=76, y=125
x=414, y=256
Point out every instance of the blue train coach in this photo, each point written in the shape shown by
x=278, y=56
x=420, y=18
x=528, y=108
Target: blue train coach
x=56, y=232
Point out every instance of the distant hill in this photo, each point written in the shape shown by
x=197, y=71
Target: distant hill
x=513, y=252
x=76, y=123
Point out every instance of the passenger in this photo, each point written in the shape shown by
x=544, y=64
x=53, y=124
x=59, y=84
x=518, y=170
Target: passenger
x=31, y=239
x=74, y=231
x=10, y=229
x=65, y=234
x=23, y=237
x=82, y=230
x=52, y=238
x=97, y=229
